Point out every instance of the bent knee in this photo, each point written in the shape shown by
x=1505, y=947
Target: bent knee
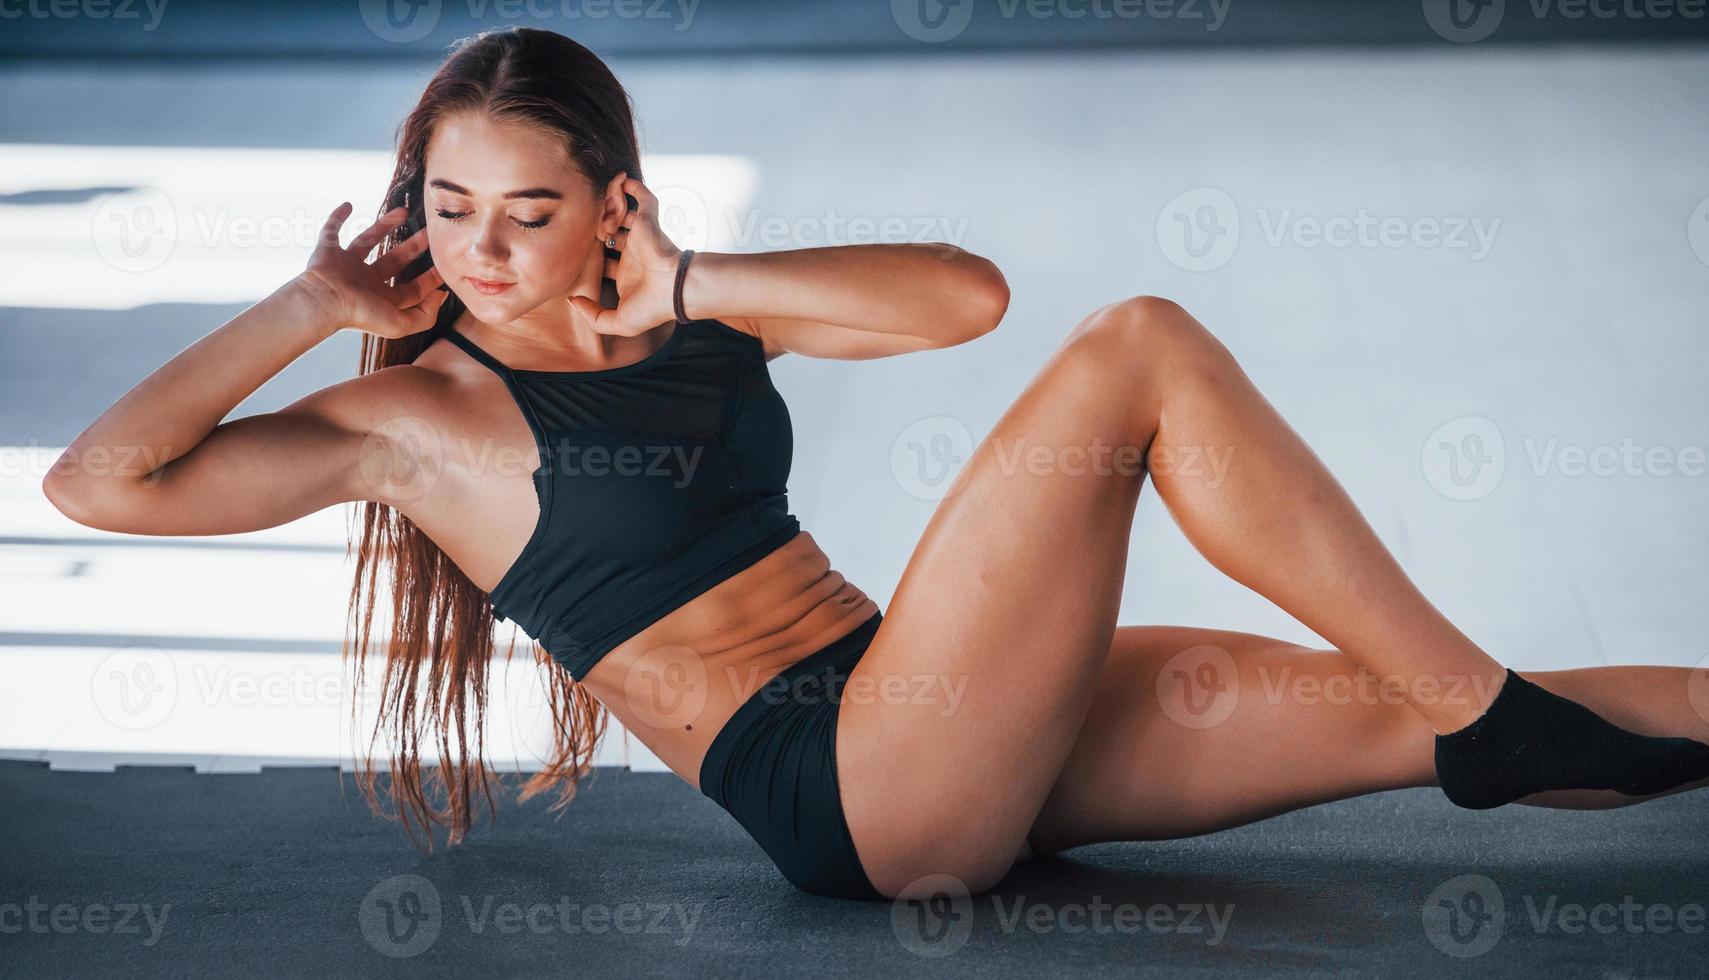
x=1148, y=327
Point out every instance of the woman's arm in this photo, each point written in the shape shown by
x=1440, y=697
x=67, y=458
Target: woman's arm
x=160, y=461
x=851, y=302
x=841, y=301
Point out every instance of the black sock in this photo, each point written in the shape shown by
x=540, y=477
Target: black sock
x=1530, y=740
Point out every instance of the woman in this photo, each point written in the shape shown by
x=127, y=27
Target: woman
x=606, y=468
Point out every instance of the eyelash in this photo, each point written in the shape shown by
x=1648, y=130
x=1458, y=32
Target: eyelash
x=460, y=215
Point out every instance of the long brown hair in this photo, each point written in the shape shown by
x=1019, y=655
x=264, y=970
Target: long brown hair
x=441, y=644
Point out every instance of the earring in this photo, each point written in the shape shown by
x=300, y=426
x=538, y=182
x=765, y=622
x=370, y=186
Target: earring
x=610, y=241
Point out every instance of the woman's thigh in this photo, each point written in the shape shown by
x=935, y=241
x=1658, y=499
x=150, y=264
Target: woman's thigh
x=1193, y=731
x=979, y=678
x=1197, y=730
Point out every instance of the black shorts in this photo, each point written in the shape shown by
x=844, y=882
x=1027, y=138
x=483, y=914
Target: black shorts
x=773, y=766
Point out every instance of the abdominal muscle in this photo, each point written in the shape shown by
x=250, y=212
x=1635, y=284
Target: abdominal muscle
x=674, y=684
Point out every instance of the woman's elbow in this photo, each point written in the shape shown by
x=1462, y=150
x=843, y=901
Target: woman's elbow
x=987, y=298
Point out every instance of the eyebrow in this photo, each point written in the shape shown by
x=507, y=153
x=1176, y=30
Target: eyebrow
x=542, y=193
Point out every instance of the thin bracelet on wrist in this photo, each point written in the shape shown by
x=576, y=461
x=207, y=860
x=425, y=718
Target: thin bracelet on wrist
x=681, y=274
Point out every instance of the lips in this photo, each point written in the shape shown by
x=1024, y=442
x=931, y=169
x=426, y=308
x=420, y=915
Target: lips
x=490, y=287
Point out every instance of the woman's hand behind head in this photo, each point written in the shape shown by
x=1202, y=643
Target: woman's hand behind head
x=350, y=291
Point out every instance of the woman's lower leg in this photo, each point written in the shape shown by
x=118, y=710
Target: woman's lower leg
x=1259, y=505
x=1254, y=499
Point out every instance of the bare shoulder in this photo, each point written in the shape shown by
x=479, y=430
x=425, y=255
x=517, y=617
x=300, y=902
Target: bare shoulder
x=369, y=402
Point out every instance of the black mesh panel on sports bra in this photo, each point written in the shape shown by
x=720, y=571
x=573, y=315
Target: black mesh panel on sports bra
x=658, y=480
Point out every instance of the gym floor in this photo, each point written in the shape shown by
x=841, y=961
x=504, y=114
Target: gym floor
x=282, y=873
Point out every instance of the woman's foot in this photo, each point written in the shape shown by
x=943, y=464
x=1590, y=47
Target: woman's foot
x=1530, y=740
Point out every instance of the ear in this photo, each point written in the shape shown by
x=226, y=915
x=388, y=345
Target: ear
x=614, y=206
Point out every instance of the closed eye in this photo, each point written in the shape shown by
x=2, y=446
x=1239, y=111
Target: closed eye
x=460, y=215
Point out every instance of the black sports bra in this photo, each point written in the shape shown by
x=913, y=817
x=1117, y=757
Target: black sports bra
x=657, y=480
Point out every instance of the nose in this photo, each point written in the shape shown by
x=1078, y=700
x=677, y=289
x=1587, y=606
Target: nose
x=487, y=247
